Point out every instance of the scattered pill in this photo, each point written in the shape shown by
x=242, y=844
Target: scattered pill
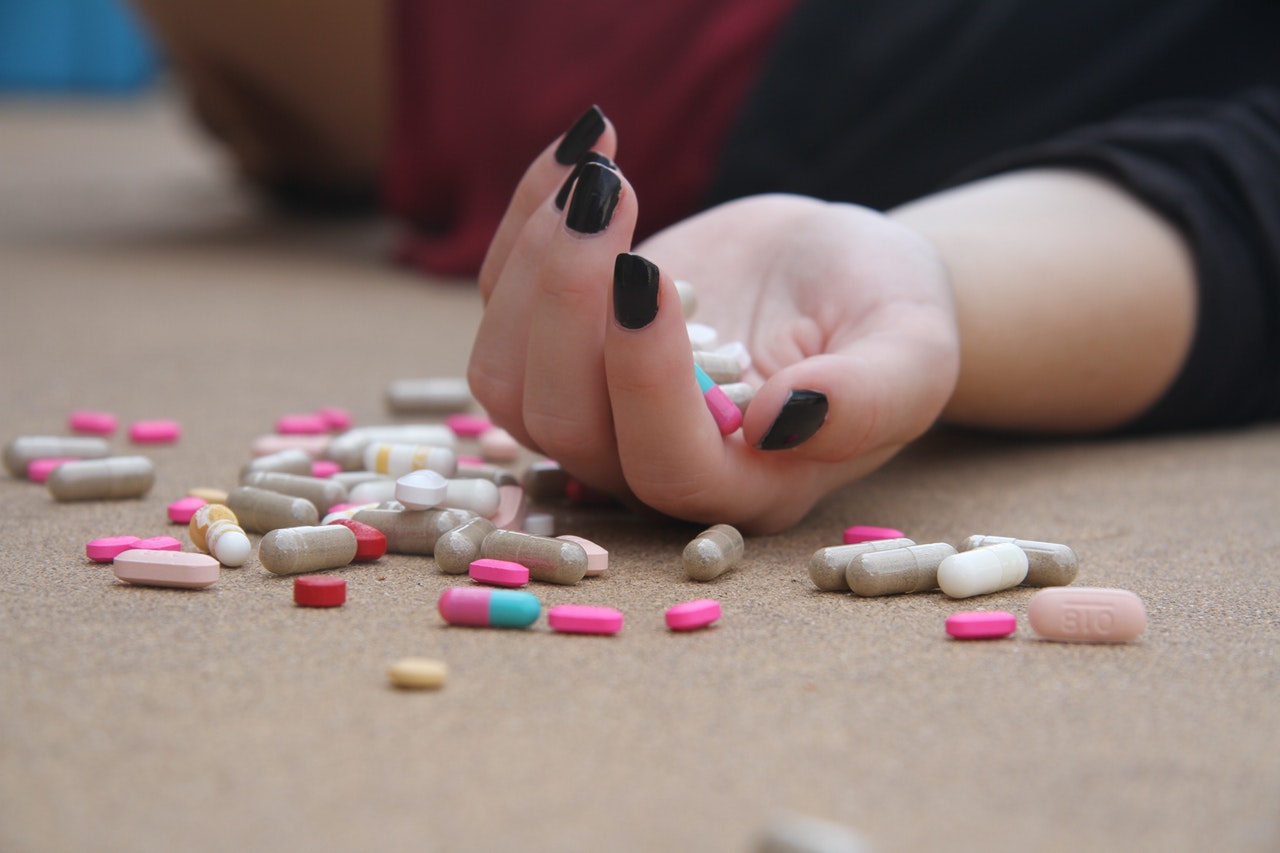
x=314, y=446
x=540, y=524
x=439, y=394
x=458, y=547
x=348, y=448
x=38, y=470
x=727, y=415
x=597, y=557
x=228, y=543
x=713, y=552
x=293, y=550
x=91, y=422
x=692, y=615
x=796, y=833
x=863, y=533
x=720, y=369
x=580, y=494
x=320, y=493
x=545, y=481
x=418, y=674
x=102, y=479
x=465, y=425
x=413, y=531
x=981, y=624
x=897, y=570
x=1087, y=614
x=181, y=510
x=371, y=543
x=1048, y=563
x=159, y=543
x=335, y=418
x=105, y=550
x=211, y=495
x=301, y=424
x=549, y=560
x=351, y=479
x=293, y=460
x=473, y=494
x=372, y=491
x=981, y=571
x=319, y=591
x=325, y=468
x=19, y=452
x=702, y=336
x=740, y=394
x=494, y=608
x=737, y=351
x=828, y=566
x=179, y=569
x=422, y=489
x=481, y=470
x=584, y=619
x=262, y=511
x=396, y=460
x=513, y=508
x=498, y=445
x=206, y=515
x=498, y=572
x=154, y=432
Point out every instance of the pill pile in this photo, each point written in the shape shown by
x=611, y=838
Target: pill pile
x=322, y=494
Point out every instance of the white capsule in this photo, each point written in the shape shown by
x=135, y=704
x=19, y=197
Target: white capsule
x=479, y=496
x=373, y=492
x=1048, y=563
x=688, y=298
x=439, y=394
x=737, y=351
x=348, y=449
x=702, y=336
x=396, y=460
x=984, y=570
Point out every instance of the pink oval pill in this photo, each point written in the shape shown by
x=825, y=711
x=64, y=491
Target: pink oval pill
x=467, y=426
x=584, y=619
x=185, y=570
x=323, y=468
x=301, y=424
x=692, y=615
x=337, y=419
x=106, y=549
x=498, y=572
x=154, y=432
x=159, y=543
x=90, y=422
x=181, y=510
x=38, y=470
x=864, y=533
x=981, y=624
x=1086, y=614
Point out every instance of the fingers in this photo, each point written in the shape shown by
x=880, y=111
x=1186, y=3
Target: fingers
x=547, y=174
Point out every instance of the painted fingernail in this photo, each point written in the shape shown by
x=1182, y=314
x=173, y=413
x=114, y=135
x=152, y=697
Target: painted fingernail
x=594, y=198
x=590, y=157
x=801, y=416
x=635, y=291
x=579, y=138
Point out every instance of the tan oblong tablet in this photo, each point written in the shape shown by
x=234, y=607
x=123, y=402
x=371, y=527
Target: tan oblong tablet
x=181, y=569
x=1087, y=614
x=418, y=673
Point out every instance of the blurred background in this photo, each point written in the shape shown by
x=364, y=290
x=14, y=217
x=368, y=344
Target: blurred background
x=81, y=47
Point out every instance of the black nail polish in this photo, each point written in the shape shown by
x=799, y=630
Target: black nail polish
x=594, y=198
x=590, y=157
x=635, y=291
x=579, y=138
x=801, y=416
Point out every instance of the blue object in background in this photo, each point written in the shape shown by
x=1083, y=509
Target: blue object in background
x=79, y=46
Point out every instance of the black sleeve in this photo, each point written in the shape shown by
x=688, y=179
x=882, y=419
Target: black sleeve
x=1213, y=169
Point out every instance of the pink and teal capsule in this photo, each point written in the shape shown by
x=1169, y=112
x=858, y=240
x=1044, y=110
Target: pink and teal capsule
x=492, y=608
x=727, y=414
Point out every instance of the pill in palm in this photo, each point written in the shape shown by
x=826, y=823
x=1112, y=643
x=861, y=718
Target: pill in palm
x=691, y=615
x=1087, y=614
x=493, y=608
x=981, y=571
x=727, y=415
x=584, y=619
x=1048, y=563
x=897, y=570
x=713, y=552
x=178, y=569
x=108, y=478
x=981, y=624
x=719, y=368
x=294, y=550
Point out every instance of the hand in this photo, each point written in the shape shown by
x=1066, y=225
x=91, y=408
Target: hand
x=832, y=299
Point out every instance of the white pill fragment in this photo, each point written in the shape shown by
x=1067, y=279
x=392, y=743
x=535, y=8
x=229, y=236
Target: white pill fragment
x=702, y=336
x=688, y=298
x=540, y=524
x=737, y=351
x=421, y=489
x=981, y=571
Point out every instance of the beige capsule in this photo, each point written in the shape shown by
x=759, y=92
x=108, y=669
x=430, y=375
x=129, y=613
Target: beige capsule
x=1048, y=563
x=26, y=448
x=418, y=673
x=827, y=565
x=458, y=547
x=713, y=552
x=413, y=531
x=102, y=479
x=293, y=460
x=262, y=511
x=898, y=570
x=295, y=550
x=320, y=491
x=549, y=560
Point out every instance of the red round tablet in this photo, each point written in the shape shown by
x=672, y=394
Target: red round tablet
x=319, y=591
x=371, y=543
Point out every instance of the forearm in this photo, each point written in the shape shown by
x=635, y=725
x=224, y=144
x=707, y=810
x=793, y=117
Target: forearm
x=1076, y=303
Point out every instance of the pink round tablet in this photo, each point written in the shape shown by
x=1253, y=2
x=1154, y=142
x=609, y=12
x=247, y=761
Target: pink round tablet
x=154, y=432
x=181, y=510
x=862, y=533
x=158, y=543
x=324, y=468
x=91, y=422
x=981, y=624
x=692, y=615
x=337, y=419
x=584, y=619
x=108, y=548
x=499, y=572
x=38, y=470
x=301, y=424
x=467, y=426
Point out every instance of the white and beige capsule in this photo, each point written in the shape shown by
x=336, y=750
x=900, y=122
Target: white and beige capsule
x=1048, y=563
x=396, y=460
x=983, y=570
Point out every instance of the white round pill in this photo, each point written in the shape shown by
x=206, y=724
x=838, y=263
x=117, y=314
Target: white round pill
x=421, y=489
